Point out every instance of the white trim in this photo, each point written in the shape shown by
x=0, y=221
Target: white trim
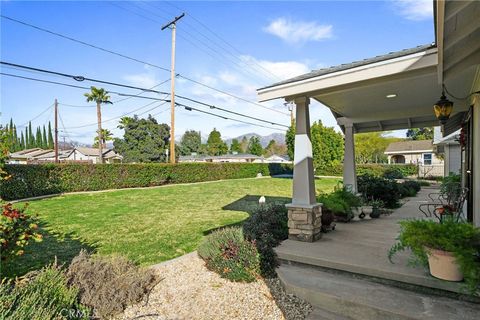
x=408, y=152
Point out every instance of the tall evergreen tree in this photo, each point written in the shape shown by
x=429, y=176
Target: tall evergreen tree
x=38, y=138
x=22, y=142
x=254, y=146
x=44, y=138
x=31, y=137
x=16, y=141
x=27, y=139
x=50, y=136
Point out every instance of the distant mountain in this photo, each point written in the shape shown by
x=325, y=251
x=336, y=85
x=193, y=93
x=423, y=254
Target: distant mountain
x=264, y=140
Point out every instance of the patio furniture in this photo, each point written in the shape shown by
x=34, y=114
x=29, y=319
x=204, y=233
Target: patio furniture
x=447, y=203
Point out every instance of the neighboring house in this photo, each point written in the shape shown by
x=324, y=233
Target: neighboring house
x=419, y=152
x=80, y=154
x=278, y=159
x=450, y=147
x=239, y=157
x=192, y=158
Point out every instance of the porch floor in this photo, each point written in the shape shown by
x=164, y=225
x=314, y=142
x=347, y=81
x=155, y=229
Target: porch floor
x=362, y=247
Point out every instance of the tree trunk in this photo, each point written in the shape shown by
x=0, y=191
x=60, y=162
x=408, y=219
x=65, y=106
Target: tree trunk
x=99, y=120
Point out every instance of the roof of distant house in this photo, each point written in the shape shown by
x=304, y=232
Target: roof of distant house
x=409, y=146
x=235, y=156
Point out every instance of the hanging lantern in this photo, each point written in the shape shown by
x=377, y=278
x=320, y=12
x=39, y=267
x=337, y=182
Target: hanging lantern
x=443, y=108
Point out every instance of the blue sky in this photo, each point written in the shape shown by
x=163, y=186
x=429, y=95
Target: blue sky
x=264, y=42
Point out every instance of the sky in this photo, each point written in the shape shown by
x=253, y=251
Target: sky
x=235, y=47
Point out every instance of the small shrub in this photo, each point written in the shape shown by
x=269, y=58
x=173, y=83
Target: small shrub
x=17, y=229
x=423, y=183
x=393, y=173
x=267, y=226
x=406, y=191
x=40, y=295
x=109, y=284
x=226, y=252
x=377, y=188
x=335, y=203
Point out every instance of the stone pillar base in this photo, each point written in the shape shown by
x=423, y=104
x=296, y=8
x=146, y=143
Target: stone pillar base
x=304, y=222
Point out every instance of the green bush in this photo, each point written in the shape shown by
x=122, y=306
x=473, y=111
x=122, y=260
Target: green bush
x=43, y=179
x=377, y=188
x=17, y=229
x=41, y=295
x=267, y=226
x=463, y=239
x=109, y=284
x=226, y=252
x=393, y=173
x=335, y=203
x=375, y=169
x=423, y=183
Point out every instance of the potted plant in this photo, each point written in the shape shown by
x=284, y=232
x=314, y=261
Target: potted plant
x=450, y=249
x=367, y=210
x=376, y=208
x=334, y=203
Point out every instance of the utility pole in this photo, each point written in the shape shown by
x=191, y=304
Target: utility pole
x=173, y=25
x=56, y=131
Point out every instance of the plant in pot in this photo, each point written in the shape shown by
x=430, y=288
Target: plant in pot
x=335, y=204
x=367, y=210
x=376, y=208
x=351, y=202
x=450, y=249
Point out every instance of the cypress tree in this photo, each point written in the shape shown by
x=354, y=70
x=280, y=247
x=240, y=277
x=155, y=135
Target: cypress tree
x=31, y=137
x=50, y=136
x=38, y=138
x=22, y=142
x=16, y=141
x=27, y=140
x=44, y=138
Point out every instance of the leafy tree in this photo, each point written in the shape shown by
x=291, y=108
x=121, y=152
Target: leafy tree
x=420, y=133
x=50, y=136
x=290, y=140
x=100, y=96
x=215, y=145
x=370, y=147
x=254, y=146
x=235, y=146
x=327, y=146
x=274, y=148
x=144, y=140
x=244, y=145
x=107, y=135
x=190, y=142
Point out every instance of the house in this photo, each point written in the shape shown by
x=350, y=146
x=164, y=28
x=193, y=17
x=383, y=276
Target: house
x=236, y=157
x=419, y=152
x=451, y=150
x=79, y=154
x=278, y=159
x=194, y=157
x=397, y=90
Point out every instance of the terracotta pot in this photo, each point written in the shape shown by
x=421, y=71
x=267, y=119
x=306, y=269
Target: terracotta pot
x=443, y=265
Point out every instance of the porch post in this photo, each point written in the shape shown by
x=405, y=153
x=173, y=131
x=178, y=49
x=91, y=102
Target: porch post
x=304, y=214
x=349, y=173
x=476, y=160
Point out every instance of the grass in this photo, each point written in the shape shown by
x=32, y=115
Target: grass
x=148, y=226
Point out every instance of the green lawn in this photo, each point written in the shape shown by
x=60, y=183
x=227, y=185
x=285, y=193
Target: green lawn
x=149, y=225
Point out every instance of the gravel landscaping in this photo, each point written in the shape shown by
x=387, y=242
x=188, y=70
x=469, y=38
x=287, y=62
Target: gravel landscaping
x=190, y=291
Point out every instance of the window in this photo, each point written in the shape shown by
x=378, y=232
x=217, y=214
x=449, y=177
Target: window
x=427, y=159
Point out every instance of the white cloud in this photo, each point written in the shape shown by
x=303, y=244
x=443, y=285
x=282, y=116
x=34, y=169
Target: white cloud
x=299, y=31
x=414, y=9
x=280, y=69
x=143, y=80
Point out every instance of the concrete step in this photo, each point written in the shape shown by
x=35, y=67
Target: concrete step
x=345, y=296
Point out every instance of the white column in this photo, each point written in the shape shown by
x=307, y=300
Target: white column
x=476, y=160
x=349, y=174
x=303, y=175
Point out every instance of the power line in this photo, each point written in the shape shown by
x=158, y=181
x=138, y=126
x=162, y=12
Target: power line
x=139, y=61
x=189, y=108
x=36, y=117
x=138, y=88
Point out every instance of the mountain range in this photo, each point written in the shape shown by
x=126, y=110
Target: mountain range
x=264, y=140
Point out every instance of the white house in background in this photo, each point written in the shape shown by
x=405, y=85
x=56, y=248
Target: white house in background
x=239, y=157
x=79, y=154
x=450, y=147
x=278, y=159
x=418, y=152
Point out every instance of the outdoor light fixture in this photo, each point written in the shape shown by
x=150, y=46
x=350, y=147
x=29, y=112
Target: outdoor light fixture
x=392, y=95
x=443, y=108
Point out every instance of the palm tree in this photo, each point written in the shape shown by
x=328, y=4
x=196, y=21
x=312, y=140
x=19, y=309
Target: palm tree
x=107, y=135
x=100, y=96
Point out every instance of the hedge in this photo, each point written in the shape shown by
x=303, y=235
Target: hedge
x=374, y=169
x=43, y=179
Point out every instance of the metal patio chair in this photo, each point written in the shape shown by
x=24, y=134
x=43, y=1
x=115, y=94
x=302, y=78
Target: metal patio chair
x=448, y=203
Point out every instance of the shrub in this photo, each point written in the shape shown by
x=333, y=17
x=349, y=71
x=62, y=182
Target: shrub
x=423, y=183
x=43, y=179
x=40, y=295
x=267, y=226
x=463, y=239
x=336, y=204
x=376, y=188
x=393, y=173
x=406, y=191
x=17, y=229
x=226, y=252
x=109, y=284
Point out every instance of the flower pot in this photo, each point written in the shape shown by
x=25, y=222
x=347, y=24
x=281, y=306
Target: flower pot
x=356, y=213
x=443, y=265
x=375, y=213
x=367, y=210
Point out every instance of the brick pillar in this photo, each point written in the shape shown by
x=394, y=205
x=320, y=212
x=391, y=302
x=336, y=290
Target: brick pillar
x=304, y=222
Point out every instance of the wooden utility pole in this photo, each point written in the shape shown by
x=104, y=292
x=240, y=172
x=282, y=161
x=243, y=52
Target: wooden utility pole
x=56, y=131
x=173, y=25
x=99, y=120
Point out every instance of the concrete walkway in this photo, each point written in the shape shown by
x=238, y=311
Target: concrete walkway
x=362, y=247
